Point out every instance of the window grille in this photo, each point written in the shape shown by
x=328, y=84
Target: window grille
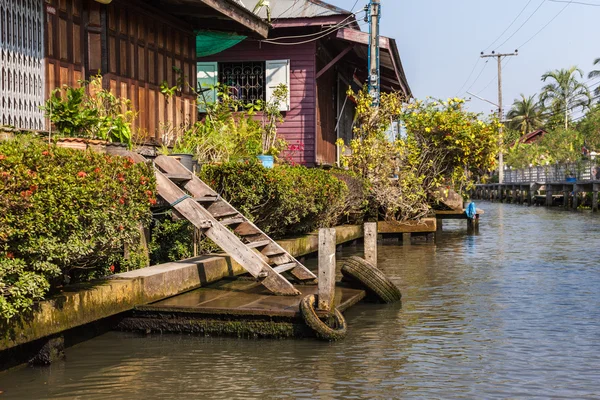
x=22, y=63
x=246, y=80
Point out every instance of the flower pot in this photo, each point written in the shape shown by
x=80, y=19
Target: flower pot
x=186, y=159
x=116, y=149
x=266, y=161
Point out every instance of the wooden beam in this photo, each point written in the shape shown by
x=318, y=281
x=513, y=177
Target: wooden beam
x=323, y=21
x=235, y=12
x=334, y=61
x=354, y=36
x=326, y=285
x=424, y=225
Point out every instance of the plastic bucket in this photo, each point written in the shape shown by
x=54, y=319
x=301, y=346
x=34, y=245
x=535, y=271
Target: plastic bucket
x=266, y=161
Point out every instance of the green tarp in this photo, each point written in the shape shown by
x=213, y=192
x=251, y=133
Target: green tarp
x=209, y=43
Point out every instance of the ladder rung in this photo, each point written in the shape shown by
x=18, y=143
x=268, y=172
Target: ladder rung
x=260, y=243
x=233, y=221
x=207, y=199
x=179, y=177
x=223, y=214
x=275, y=252
x=285, y=267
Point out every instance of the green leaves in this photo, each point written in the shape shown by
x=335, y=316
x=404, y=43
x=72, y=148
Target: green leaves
x=90, y=111
x=67, y=215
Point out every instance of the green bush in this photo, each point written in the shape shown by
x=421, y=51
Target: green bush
x=171, y=240
x=281, y=201
x=66, y=216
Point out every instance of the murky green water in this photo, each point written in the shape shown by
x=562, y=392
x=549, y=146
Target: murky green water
x=513, y=312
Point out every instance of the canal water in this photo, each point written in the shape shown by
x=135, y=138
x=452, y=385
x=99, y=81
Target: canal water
x=512, y=312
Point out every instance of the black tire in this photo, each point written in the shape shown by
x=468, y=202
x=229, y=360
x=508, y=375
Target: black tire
x=321, y=329
x=371, y=278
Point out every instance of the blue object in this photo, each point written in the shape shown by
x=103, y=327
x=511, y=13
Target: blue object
x=266, y=161
x=471, y=210
x=571, y=179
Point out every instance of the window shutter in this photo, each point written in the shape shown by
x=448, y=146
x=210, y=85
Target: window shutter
x=207, y=78
x=278, y=72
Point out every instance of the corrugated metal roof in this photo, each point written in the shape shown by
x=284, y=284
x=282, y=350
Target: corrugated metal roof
x=295, y=8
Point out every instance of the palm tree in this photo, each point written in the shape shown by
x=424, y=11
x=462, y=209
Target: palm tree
x=525, y=115
x=565, y=93
x=595, y=74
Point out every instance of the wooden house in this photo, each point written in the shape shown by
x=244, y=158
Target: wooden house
x=318, y=51
x=134, y=44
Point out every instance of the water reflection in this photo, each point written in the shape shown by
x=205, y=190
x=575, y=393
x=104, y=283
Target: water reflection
x=510, y=313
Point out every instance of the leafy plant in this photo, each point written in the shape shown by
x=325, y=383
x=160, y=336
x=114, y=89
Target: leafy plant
x=67, y=217
x=282, y=201
x=90, y=111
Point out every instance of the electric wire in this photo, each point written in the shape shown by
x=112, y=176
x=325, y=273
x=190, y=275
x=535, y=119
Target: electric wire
x=478, y=76
x=331, y=28
x=545, y=26
x=523, y=24
x=327, y=33
x=459, y=91
x=509, y=26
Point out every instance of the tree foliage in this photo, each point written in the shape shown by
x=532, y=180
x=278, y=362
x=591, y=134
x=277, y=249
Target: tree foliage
x=525, y=115
x=563, y=92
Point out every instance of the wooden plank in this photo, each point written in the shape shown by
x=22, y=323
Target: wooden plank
x=424, y=225
x=370, y=240
x=223, y=237
x=285, y=267
x=260, y=243
x=334, y=61
x=327, y=245
x=233, y=221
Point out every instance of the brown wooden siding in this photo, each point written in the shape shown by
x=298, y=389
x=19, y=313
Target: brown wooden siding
x=326, y=117
x=134, y=48
x=63, y=43
x=299, y=127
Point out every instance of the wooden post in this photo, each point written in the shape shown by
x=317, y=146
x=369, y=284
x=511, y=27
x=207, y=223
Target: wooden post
x=595, y=200
x=327, y=242
x=575, y=197
x=548, y=196
x=406, y=239
x=371, y=242
x=439, y=225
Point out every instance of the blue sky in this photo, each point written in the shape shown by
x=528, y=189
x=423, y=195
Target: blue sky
x=440, y=42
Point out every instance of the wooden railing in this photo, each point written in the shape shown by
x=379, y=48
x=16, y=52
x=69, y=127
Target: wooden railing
x=580, y=171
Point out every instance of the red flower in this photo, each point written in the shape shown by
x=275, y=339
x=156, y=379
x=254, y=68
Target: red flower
x=121, y=227
x=112, y=268
x=81, y=174
x=152, y=201
x=121, y=177
x=97, y=170
x=121, y=200
x=33, y=188
x=10, y=255
x=2, y=157
x=149, y=193
x=27, y=193
x=45, y=152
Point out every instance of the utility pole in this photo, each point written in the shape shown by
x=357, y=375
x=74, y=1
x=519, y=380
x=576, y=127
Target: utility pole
x=374, y=15
x=500, y=110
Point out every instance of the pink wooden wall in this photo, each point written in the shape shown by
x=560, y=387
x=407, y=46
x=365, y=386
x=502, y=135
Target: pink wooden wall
x=299, y=128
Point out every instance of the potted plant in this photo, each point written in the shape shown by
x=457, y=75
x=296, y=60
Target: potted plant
x=271, y=117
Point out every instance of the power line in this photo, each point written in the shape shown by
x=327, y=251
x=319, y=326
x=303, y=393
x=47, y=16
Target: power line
x=478, y=76
x=523, y=24
x=469, y=77
x=545, y=26
x=509, y=26
x=309, y=40
x=576, y=2
x=330, y=29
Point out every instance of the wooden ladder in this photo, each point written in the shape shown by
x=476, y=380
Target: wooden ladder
x=256, y=252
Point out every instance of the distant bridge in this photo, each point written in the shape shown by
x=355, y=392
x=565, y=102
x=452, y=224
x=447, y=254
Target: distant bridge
x=569, y=185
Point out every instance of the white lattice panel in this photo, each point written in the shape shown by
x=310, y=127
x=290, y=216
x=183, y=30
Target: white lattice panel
x=22, y=63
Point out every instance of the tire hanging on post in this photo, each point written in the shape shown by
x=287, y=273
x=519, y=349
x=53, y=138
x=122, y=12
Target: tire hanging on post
x=359, y=270
x=321, y=329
